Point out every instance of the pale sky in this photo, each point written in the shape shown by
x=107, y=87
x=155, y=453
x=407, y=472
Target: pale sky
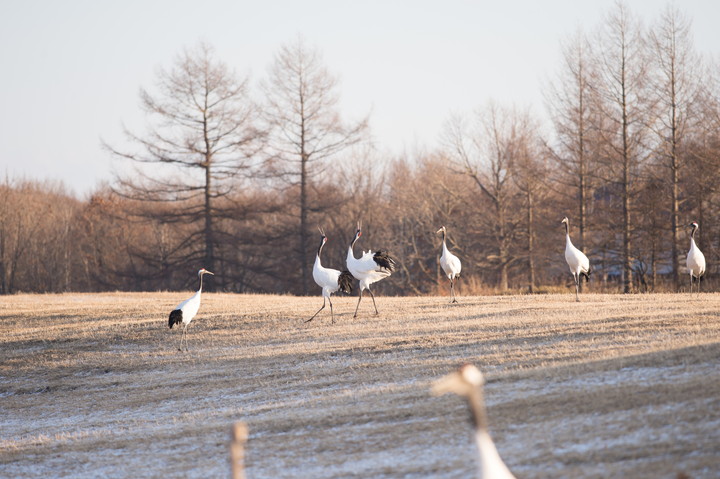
x=71, y=70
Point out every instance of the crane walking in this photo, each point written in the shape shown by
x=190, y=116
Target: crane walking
x=450, y=264
x=330, y=280
x=186, y=311
x=695, y=259
x=576, y=260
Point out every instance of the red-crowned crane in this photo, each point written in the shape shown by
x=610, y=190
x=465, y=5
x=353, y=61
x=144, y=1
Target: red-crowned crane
x=576, y=260
x=369, y=268
x=695, y=259
x=467, y=382
x=450, y=264
x=330, y=280
x=186, y=311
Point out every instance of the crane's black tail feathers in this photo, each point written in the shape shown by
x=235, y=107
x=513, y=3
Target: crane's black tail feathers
x=586, y=274
x=175, y=317
x=384, y=260
x=345, y=281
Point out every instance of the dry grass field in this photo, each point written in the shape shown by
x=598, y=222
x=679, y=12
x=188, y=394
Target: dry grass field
x=92, y=385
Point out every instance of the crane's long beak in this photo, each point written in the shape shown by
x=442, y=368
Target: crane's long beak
x=209, y=272
x=451, y=383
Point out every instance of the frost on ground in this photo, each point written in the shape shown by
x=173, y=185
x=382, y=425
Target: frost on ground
x=616, y=386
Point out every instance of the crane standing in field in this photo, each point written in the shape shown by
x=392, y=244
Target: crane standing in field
x=467, y=382
x=369, y=268
x=695, y=259
x=186, y=311
x=330, y=280
x=576, y=260
x=450, y=264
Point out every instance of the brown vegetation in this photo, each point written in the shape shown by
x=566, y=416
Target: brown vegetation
x=613, y=386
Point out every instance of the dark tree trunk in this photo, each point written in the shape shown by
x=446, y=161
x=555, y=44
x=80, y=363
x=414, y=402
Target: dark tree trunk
x=304, y=264
x=531, y=243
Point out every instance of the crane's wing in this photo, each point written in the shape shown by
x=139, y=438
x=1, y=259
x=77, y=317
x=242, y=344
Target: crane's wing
x=369, y=262
x=384, y=260
x=181, y=305
x=345, y=281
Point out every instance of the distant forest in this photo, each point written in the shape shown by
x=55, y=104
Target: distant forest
x=235, y=176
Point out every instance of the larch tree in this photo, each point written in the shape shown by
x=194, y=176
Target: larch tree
x=677, y=84
x=621, y=62
x=306, y=131
x=701, y=177
x=530, y=174
x=201, y=140
x=571, y=103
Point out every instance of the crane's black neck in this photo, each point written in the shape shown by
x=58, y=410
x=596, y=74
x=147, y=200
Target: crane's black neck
x=322, y=243
x=443, y=233
x=201, y=277
x=355, y=238
x=567, y=227
x=692, y=233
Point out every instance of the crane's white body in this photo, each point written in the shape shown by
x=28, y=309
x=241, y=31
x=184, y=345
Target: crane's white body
x=576, y=260
x=186, y=311
x=368, y=269
x=450, y=264
x=326, y=278
x=330, y=280
x=190, y=307
x=467, y=382
x=695, y=259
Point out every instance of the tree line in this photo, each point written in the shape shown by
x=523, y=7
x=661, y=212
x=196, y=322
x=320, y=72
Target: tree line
x=235, y=176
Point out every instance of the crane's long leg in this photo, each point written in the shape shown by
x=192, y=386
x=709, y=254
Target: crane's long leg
x=373, y=298
x=358, y=304
x=577, y=287
x=452, y=291
x=332, y=315
x=318, y=311
x=696, y=279
x=184, y=335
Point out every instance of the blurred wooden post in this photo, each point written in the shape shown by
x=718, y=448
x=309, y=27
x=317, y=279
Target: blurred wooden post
x=237, y=449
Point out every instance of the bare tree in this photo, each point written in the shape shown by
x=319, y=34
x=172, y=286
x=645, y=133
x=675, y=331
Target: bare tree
x=423, y=194
x=621, y=62
x=677, y=83
x=201, y=139
x=23, y=216
x=652, y=241
x=701, y=178
x=529, y=174
x=38, y=242
x=302, y=112
x=483, y=151
x=572, y=105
